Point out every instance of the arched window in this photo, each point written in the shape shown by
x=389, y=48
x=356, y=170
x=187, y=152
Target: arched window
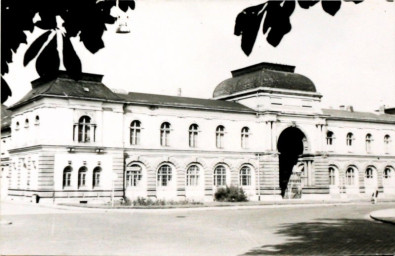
x=368, y=141
x=220, y=176
x=26, y=123
x=349, y=139
x=164, y=175
x=67, y=176
x=388, y=173
x=193, y=135
x=329, y=138
x=332, y=176
x=37, y=120
x=245, y=132
x=135, y=130
x=245, y=176
x=193, y=176
x=17, y=126
x=84, y=126
x=82, y=177
x=387, y=142
x=369, y=173
x=350, y=176
x=164, y=134
x=219, y=135
x=133, y=175
x=96, y=177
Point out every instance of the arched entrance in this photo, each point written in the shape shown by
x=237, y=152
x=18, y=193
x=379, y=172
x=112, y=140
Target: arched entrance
x=290, y=145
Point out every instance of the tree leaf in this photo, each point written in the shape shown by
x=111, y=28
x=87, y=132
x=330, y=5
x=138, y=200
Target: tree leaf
x=71, y=61
x=35, y=47
x=355, y=1
x=247, y=26
x=306, y=4
x=48, y=20
x=278, y=20
x=5, y=90
x=47, y=64
x=331, y=7
x=125, y=4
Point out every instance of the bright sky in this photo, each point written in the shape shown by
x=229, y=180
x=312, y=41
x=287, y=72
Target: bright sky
x=190, y=45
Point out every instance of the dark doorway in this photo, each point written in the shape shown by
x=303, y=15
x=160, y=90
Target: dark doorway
x=290, y=146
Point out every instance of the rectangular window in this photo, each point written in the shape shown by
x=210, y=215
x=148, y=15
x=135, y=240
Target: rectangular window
x=192, y=139
x=220, y=138
x=133, y=178
x=135, y=137
x=66, y=179
x=82, y=179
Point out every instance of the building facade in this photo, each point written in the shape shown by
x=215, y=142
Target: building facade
x=80, y=141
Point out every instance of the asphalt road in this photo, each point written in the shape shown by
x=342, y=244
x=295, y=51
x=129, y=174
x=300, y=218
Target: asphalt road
x=296, y=230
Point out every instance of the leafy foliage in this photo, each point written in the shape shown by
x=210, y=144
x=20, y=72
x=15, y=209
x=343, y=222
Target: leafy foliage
x=276, y=19
x=86, y=19
x=142, y=201
x=230, y=194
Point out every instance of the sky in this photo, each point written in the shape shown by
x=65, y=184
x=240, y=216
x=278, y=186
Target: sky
x=190, y=45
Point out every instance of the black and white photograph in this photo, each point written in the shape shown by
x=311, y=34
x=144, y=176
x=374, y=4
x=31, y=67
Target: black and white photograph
x=197, y=127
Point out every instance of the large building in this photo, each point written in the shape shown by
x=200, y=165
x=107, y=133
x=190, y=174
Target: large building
x=79, y=141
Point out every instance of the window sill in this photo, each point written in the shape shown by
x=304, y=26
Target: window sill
x=134, y=187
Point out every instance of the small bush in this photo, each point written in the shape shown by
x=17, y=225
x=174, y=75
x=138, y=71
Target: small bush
x=142, y=201
x=230, y=194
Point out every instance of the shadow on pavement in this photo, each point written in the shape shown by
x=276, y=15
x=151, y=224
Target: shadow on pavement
x=332, y=236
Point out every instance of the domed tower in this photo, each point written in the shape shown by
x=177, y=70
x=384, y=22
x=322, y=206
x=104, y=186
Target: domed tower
x=270, y=87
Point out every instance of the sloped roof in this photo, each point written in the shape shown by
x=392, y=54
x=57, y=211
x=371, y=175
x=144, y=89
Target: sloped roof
x=88, y=87
x=355, y=115
x=5, y=117
x=390, y=111
x=183, y=102
x=267, y=75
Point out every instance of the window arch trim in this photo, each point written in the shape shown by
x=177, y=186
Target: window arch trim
x=96, y=177
x=193, y=133
x=135, y=132
x=246, y=175
x=165, y=175
x=82, y=172
x=165, y=130
x=67, y=172
x=219, y=136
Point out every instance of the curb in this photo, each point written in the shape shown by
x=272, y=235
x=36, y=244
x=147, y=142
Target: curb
x=203, y=208
x=382, y=220
x=384, y=215
x=5, y=222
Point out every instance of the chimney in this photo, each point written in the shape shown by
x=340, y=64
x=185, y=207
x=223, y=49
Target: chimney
x=381, y=109
x=179, y=92
x=350, y=108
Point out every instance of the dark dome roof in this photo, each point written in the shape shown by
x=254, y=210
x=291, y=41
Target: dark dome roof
x=270, y=75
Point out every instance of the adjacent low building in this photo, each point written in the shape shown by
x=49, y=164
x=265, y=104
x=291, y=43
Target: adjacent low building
x=80, y=141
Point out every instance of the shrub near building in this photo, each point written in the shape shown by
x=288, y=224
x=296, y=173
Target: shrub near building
x=230, y=194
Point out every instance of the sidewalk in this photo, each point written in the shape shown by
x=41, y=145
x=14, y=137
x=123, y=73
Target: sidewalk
x=20, y=207
x=233, y=205
x=387, y=215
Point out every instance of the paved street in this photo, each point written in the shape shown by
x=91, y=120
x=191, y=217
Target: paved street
x=279, y=230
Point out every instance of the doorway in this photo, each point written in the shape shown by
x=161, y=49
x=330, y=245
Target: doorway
x=290, y=145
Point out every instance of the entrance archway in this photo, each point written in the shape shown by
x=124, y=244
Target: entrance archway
x=290, y=145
